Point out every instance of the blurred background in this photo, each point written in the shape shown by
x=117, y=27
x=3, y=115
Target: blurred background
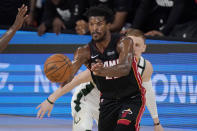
x=60, y=26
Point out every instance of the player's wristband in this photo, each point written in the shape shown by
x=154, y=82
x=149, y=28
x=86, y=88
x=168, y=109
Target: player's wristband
x=156, y=124
x=50, y=101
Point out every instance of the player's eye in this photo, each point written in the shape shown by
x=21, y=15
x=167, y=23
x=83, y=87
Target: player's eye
x=100, y=23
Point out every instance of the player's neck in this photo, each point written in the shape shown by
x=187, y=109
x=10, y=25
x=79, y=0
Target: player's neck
x=102, y=45
x=137, y=58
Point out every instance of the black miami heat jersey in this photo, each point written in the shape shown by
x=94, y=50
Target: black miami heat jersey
x=113, y=87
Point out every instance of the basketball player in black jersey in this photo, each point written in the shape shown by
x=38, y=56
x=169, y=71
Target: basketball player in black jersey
x=114, y=71
x=4, y=40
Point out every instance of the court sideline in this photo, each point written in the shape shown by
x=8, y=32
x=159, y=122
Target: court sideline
x=21, y=123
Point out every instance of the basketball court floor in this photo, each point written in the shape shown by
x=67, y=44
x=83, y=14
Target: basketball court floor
x=21, y=123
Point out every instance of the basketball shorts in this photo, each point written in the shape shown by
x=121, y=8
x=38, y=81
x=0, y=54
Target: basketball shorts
x=121, y=115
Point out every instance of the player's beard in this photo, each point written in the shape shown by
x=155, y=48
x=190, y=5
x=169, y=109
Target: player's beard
x=101, y=38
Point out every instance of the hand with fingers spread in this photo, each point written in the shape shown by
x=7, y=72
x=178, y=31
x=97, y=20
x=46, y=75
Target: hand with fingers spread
x=21, y=17
x=45, y=107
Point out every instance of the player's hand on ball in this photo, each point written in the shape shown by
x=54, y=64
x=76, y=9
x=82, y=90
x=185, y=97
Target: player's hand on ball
x=45, y=107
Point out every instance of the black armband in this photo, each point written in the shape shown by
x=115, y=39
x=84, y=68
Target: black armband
x=50, y=101
x=156, y=124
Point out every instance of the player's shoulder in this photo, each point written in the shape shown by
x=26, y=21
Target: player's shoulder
x=148, y=62
x=147, y=71
x=148, y=67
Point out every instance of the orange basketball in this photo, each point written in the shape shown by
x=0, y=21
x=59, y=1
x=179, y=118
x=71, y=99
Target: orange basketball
x=58, y=68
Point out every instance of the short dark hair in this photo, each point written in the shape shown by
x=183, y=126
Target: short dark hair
x=101, y=10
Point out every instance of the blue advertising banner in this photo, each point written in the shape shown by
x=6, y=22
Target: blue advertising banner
x=23, y=86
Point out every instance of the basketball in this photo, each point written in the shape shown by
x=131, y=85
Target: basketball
x=58, y=68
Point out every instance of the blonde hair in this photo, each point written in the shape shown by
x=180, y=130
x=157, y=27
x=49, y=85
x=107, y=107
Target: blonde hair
x=136, y=33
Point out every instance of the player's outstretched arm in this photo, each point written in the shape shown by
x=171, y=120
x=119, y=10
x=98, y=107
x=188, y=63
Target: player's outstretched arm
x=82, y=77
x=4, y=40
x=125, y=49
x=47, y=105
x=150, y=96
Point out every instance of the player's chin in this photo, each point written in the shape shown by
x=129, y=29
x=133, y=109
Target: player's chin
x=98, y=39
x=95, y=37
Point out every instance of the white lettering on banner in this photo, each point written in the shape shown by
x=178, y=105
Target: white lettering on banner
x=45, y=83
x=172, y=87
x=192, y=91
x=41, y=81
x=109, y=64
x=3, y=75
x=162, y=78
x=39, y=78
x=165, y=3
x=4, y=65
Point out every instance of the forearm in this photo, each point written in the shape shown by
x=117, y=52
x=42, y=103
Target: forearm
x=4, y=40
x=118, y=22
x=156, y=120
x=61, y=91
x=77, y=80
x=115, y=71
x=150, y=99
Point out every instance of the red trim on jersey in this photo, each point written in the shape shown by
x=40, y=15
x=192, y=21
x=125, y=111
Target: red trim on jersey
x=142, y=90
x=142, y=108
x=136, y=73
x=124, y=122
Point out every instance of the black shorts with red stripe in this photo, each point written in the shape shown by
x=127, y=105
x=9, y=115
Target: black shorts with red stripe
x=121, y=115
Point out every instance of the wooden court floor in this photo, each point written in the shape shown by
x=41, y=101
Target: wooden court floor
x=21, y=123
